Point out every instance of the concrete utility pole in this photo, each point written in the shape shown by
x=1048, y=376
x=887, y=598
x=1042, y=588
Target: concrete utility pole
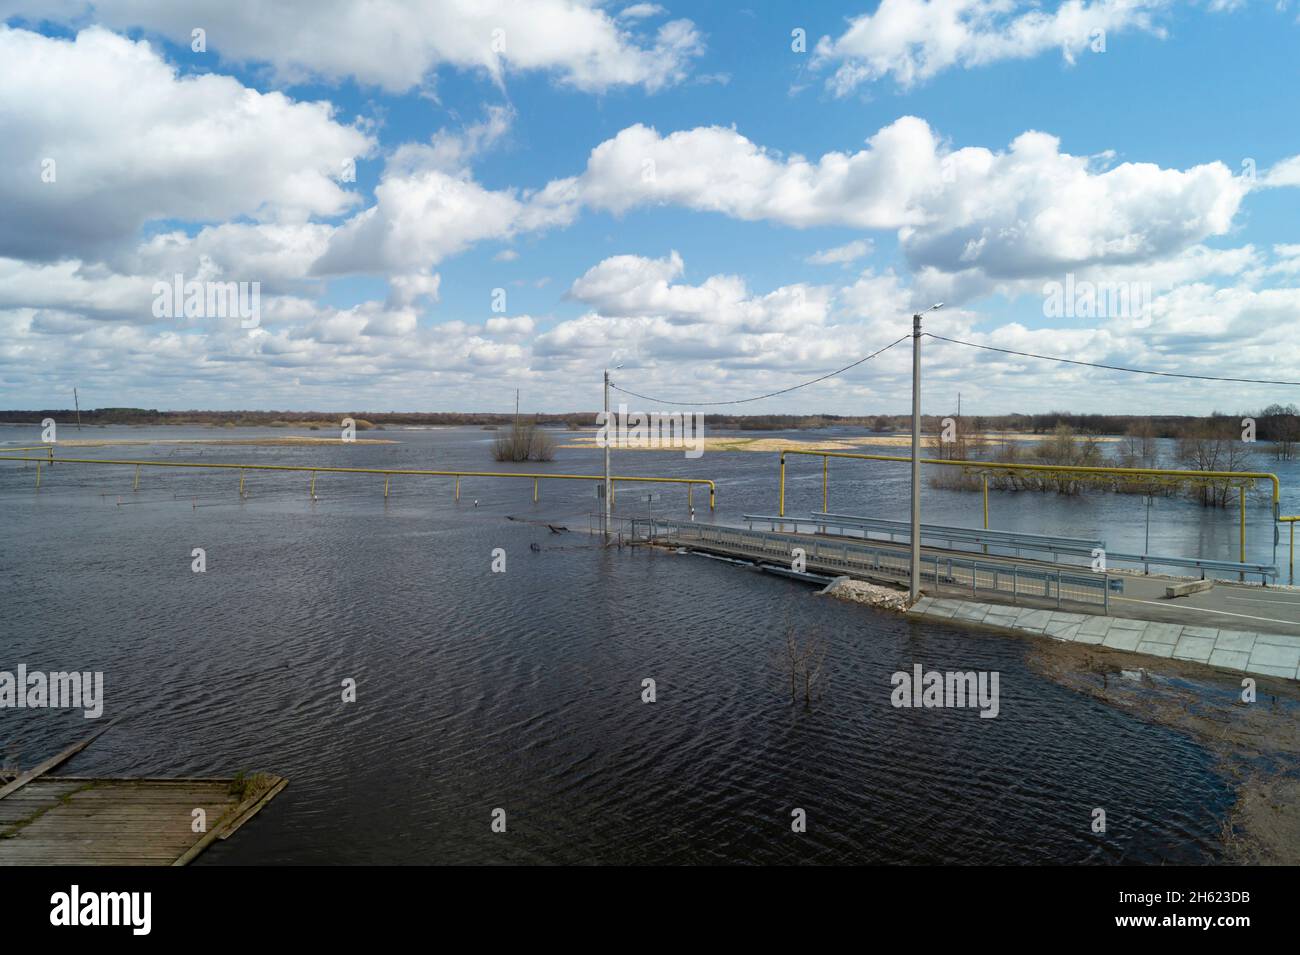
x=608, y=483
x=915, y=588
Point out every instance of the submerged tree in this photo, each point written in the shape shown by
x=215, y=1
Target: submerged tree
x=523, y=442
x=803, y=661
x=1213, y=446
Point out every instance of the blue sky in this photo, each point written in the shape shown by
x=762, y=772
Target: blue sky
x=987, y=152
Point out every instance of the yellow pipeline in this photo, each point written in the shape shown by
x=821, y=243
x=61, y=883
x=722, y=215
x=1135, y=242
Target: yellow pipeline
x=1059, y=468
x=536, y=476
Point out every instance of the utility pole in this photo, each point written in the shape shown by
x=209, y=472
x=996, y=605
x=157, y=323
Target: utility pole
x=915, y=588
x=608, y=483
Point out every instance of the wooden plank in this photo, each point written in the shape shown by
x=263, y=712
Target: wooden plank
x=53, y=761
x=215, y=832
x=255, y=808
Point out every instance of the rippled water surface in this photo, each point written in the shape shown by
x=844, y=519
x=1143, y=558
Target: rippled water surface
x=522, y=690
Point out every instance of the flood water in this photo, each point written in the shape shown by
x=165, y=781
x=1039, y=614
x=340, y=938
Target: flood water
x=522, y=690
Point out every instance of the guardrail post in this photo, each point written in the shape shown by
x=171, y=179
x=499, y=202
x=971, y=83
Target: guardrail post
x=1105, y=593
x=1058, y=590
x=1015, y=581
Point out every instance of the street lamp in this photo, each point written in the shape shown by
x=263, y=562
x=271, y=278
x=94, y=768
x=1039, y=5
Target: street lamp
x=915, y=590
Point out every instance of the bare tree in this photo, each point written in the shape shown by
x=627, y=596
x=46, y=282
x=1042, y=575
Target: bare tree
x=1213, y=446
x=1281, y=425
x=804, y=662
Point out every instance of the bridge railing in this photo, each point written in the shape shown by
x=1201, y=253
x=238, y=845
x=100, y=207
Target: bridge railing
x=1056, y=546
x=865, y=526
x=945, y=573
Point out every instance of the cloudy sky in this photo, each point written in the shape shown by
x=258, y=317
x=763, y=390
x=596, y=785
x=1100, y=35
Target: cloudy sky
x=444, y=201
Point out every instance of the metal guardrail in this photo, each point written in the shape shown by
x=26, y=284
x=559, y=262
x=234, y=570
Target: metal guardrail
x=1265, y=571
x=1075, y=546
x=944, y=572
x=1054, y=545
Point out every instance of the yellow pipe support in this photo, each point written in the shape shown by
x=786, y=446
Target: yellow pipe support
x=534, y=490
x=826, y=505
x=136, y=485
x=312, y=492
x=458, y=489
x=1055, y=468
x=38, y=474
x=241, y=484
x=1242, y=494
x=385, y=487
x=781, y=501
x=689, y=482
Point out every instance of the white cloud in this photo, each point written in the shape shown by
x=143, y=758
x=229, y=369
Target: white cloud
x=630, y=286
x=398, y=44
x=841, y=254
x=1284, y=173
x=514, y=327
x=131, y=141
x=913, y=40
x=1029, y=210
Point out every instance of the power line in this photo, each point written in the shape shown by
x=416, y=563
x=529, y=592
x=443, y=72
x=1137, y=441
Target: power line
x=771, y=394
x=1131, y=371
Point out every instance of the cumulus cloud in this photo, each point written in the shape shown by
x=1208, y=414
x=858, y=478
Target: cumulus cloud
x=633, y=286
x=423, y=214
x=842, y=254
x=398, y=44
x=101, y=135
x=1027, y=210
x=913, y=40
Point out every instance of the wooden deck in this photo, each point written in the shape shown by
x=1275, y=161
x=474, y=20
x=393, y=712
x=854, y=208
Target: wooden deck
x=77, y=820
x=83, y=821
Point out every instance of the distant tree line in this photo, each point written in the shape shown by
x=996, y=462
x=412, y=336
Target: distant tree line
x=1276, y=425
